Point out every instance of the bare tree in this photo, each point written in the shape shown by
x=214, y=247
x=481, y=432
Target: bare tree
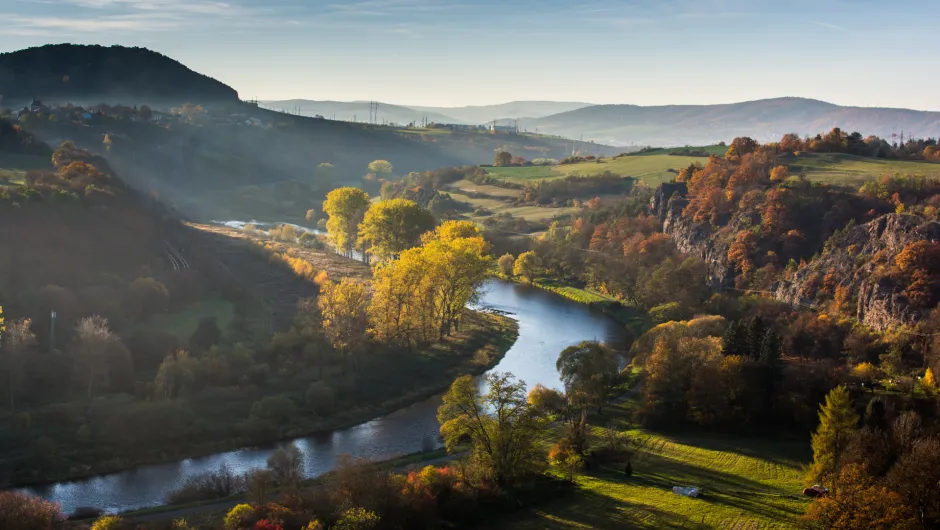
x=16, y=341
x=93, y=339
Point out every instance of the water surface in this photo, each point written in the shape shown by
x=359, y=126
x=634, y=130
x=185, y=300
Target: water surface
x=547, y=324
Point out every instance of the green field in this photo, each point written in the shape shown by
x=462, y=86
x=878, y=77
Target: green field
x=466, y=186
x=529, y=213
x=853, y=170
x=745, y=483
x=652, y=169
x=717, y=150
x=522, y=173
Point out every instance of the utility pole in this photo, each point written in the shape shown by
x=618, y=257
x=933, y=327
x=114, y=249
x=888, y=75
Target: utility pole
x=52, y=332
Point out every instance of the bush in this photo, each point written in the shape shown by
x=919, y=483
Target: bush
x=278, y=408
x=24, y=512
x=238, y=516
x=320, y=397
x=209, y=485
x=108, y=522
x=506, y=262
x=671, y=311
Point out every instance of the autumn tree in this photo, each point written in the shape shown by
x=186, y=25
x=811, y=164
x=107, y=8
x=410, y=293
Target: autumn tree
x=588, y=369
x=381, y=168
x=501, y=427
x=526, y=265
x=343, y=307
x=393, y=226
x=15, y=341
x=779, y=173
x=741, y=146
x=175, y=375
x=506, y=263
x=860, y=503
x=837, y=423
x=94, y=339
x=25, y=512
x=502, y=159
x=345, y=208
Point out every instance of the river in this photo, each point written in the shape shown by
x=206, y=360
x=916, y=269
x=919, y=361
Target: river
x=547, y=324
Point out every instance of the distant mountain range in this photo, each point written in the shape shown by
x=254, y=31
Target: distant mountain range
x=765, y=120
x=73, y=73
x=94, y=74
x=401, y=114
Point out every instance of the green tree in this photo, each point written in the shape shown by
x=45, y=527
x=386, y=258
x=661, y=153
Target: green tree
x=206, y=335
x=837, y=422
x=506, y=263
x=502, y=428
x=526, y=266
x=588, y=369
x=734, y=340
x=393, y=226
x=14, y=343
x=345, y=208
x=502, y=159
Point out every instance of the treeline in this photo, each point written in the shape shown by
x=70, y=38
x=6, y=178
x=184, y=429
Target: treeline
x=562, y=191
x=14, y=139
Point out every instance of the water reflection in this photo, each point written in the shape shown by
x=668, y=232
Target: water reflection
x=547, y=324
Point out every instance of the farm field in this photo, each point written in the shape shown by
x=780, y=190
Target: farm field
x=745, y=483
x=853, y=170
x=523, y=173
x=529, y=213
x=493, y=191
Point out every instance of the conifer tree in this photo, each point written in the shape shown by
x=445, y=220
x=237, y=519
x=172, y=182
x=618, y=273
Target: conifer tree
x=837, y=422
x=734, y=340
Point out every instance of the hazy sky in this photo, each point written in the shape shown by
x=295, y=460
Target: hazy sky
x=449, y=53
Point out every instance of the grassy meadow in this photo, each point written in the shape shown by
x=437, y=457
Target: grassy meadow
x=523, y=173
x=651, y=169
x=745, y=482
x=852, y=170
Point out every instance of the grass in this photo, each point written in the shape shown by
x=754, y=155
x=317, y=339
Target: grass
x=12, y=177
x=652, y=169
x=522, y=173
x=529, y=213
x=854, y=170
x=493, y=191
x=745, y=483
x=717, y=150
x=582, y=296
x=183, y=323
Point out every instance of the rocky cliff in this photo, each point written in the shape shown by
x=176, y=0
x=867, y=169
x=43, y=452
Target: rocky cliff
x=859, y=260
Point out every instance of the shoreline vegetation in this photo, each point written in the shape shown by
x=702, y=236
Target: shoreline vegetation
x=503, y=333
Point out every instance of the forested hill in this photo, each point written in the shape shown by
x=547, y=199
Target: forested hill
x=763, y=120
x=91, y=74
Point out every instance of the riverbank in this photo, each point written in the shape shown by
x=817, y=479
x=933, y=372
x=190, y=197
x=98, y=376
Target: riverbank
x=631, y=318
x=223, y=419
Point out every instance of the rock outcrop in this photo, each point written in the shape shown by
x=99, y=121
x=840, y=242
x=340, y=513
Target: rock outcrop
x=857, y=259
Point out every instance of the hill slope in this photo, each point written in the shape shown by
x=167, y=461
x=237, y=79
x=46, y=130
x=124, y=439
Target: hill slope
x=92, y=74
x=765, y=119
x=514, y=109
x=359, y=111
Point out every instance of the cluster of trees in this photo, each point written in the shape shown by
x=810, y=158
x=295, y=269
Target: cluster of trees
x=882, y=472
x=839, y=141
x=563, y=191
x=14, y=139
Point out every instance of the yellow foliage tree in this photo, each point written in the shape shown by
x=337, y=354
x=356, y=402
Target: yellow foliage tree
x=345, y=208
x=393, y=226
x=343, y=306
x=779, y=174
x=526, y=265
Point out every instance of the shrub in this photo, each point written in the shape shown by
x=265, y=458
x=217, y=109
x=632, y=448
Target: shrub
x=108, y=522
x=357, y=519
x=506, y=263
x=320, y=397
x=238, y=516
x=209, y=485
x=278, y=408
x=21, y=511
x=671, y=311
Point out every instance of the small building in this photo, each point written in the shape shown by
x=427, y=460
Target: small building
x=37, y=106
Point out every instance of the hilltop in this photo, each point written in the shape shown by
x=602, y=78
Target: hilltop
x=706, y=124
x=93, y=74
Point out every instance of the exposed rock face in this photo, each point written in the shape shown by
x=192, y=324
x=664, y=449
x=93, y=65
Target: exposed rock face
x=852, y=261
x=855, y=260
x=692, y=238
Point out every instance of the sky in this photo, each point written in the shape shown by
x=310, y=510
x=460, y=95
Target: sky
x=476, y=52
